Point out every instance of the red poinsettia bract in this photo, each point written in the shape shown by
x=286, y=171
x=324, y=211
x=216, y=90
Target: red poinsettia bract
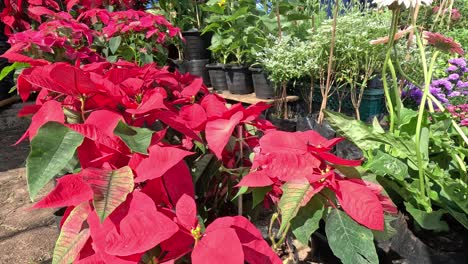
x=304, y=157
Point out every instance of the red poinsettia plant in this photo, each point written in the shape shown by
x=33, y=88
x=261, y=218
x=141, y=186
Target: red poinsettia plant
x=127, y=132
x=134, y=149
x=90, y=35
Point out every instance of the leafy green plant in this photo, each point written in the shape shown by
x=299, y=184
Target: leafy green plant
x=236, y=37
x=356, y=60
x=286, y=59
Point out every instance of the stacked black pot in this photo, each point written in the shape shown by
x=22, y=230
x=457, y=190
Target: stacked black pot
x=197, y=55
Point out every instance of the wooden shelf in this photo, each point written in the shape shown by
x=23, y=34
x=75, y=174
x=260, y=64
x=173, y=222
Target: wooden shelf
x=250, y=98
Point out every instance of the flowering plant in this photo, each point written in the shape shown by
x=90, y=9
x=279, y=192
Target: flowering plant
x=422, y=156
x=452, y=90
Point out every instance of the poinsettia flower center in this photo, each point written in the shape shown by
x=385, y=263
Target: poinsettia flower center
x=196, y=233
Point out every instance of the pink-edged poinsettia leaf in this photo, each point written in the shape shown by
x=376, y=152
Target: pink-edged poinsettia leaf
x=186, y=211
x=72, y=235
x=163, y=158
x=256, y=179
x=142, y=229
x=178, y=181
x=280, y=141
x=110, y=188
x=50, y=111
x=361, y=204
x=194, y=116
x=219, y=131
x=208, y=248
x=70, y=190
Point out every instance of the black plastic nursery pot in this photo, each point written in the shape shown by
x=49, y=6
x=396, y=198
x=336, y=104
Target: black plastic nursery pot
x=372, y=104
x=217, y=76
x=264, y=89
x=198, y=68
x=239, y=79
x=196, y=45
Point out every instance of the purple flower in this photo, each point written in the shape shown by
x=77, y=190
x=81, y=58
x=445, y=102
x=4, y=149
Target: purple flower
x=452, y=68
x=459, y=62
x=453, y=77
x=454, y=94
x=415, y=94
x=461, y=84
x=434, y=90
x=442, y=83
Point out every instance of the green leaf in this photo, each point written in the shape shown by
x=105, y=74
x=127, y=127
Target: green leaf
x=114, y=43
x=349, y=241
x=429, y=221
x=146, y=58
x=72, y=238
x=258, y=195
x=307, y=220
x=408, y=120
x=17, y=65
x=424, y=145
x=356, y=131
x=242, y=190
x=388, y=231
x=110, y=188
x=384, y=164
x=112, y=59
x=349, y=172
x=295, y=195
x=51, y=149
x=137, y=139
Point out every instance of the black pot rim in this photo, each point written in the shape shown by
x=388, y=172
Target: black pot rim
x=215, y=66
x=197, y=60
x=257, y=69
x=236, y=67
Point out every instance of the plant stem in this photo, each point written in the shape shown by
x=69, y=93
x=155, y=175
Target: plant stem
x=82, y=108
x=241, y=153
x=422, y=106
x=330, y=63
x=283, y=236
x=391, y=38
x=278, y=21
